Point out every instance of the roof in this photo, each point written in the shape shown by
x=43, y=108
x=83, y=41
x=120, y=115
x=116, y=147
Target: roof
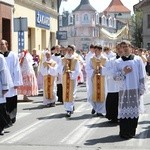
x=141, y=4
x=84, y=6
x=116, y=6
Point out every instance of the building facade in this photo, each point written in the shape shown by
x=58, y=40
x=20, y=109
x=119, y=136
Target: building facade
x=6, y=12
x=84, y=25
x=145, y=7
x=39, y=20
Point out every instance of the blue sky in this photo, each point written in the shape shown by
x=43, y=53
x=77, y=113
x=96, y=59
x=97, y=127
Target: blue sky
x=99, y=5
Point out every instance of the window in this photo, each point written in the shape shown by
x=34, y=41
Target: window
x=44, y=1
x=70, y=19
x=60, y=21
x=77, y=17
x=148, y=21
x=53, y=4
x=110, y=22
x=97, y=18
x=104, y=20
x=85, y=18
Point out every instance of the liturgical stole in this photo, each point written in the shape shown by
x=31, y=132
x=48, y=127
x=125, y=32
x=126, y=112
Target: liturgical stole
x=98, y=81
x=68, y=84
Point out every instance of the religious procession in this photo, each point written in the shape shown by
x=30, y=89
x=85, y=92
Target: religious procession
x=115, y=81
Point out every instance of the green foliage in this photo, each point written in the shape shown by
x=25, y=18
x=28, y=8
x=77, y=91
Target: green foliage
x=137, y=28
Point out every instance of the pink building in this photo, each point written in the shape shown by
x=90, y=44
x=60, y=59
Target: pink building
x=84, y=24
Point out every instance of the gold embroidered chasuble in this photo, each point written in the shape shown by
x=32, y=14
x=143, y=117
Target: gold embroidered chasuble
x=49, y=82
x=98, y=81
x=68, y=84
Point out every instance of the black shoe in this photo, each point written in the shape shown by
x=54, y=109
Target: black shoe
x=93, y=112
x=73, y=108
x=114, y=121
x=124, y=137
x=2, y=132
x=9, y=125
x=68, y=114
x=51, y=105
x=100, y=115
x=13, y=120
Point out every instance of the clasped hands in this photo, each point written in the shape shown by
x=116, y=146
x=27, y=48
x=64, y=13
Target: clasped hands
x=127, y=69
x=48, y=65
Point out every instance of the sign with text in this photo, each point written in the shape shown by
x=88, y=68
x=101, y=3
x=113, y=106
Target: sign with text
x=61, y=35
x=42, y=20
x=20, y=41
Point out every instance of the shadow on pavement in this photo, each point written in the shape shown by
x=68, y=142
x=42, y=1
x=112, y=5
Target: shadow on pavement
x=55, y=116
x=37, y=107
x=108, y=139
x=85, y=116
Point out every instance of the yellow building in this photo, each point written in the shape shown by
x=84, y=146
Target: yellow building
x=41, y=19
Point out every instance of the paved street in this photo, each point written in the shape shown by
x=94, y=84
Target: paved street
x=43, y=128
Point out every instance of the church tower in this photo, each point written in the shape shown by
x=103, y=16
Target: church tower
x=117, y=9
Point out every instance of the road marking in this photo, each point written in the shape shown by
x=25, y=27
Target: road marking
x=141, y=129
x=26, y=131
x=82, y=107
x=81, y=131
x=143, y=132
x=21, y=115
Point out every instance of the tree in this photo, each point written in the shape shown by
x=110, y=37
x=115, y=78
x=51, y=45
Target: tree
x=137, y=28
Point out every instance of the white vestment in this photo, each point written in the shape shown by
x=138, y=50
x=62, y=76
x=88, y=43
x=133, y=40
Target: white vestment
x=73, y=76
x=88, y=78
x=5, y=78
x=132, y=86
x=98, y=107
x=53, y=72
x=15, y=71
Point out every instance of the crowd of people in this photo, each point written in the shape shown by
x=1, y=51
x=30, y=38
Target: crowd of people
x=115, y=81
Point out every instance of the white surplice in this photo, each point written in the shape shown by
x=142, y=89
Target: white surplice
x=88, y=57
x=132, y=86
x=58, y=60
x=15, y=71
x=108, y=71
x=5, y=78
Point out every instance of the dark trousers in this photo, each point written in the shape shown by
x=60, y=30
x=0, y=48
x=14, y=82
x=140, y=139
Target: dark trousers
x=59, y=92
x=4, y=117
x=128, y=127
x=11, y=107
x=112, y=106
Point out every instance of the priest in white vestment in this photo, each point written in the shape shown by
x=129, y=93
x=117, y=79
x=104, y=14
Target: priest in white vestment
x=69, y=68
x=49, y=73
x=97, y=82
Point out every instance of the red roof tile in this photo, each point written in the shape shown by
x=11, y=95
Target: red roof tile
x=116, y=6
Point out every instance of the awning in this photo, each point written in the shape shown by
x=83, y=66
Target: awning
x=122, y=32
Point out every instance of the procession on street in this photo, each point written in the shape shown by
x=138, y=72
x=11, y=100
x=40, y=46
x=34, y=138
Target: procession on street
x=115, y=82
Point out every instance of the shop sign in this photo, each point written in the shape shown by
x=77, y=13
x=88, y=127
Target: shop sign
x=61, y=35
x=42, y=20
